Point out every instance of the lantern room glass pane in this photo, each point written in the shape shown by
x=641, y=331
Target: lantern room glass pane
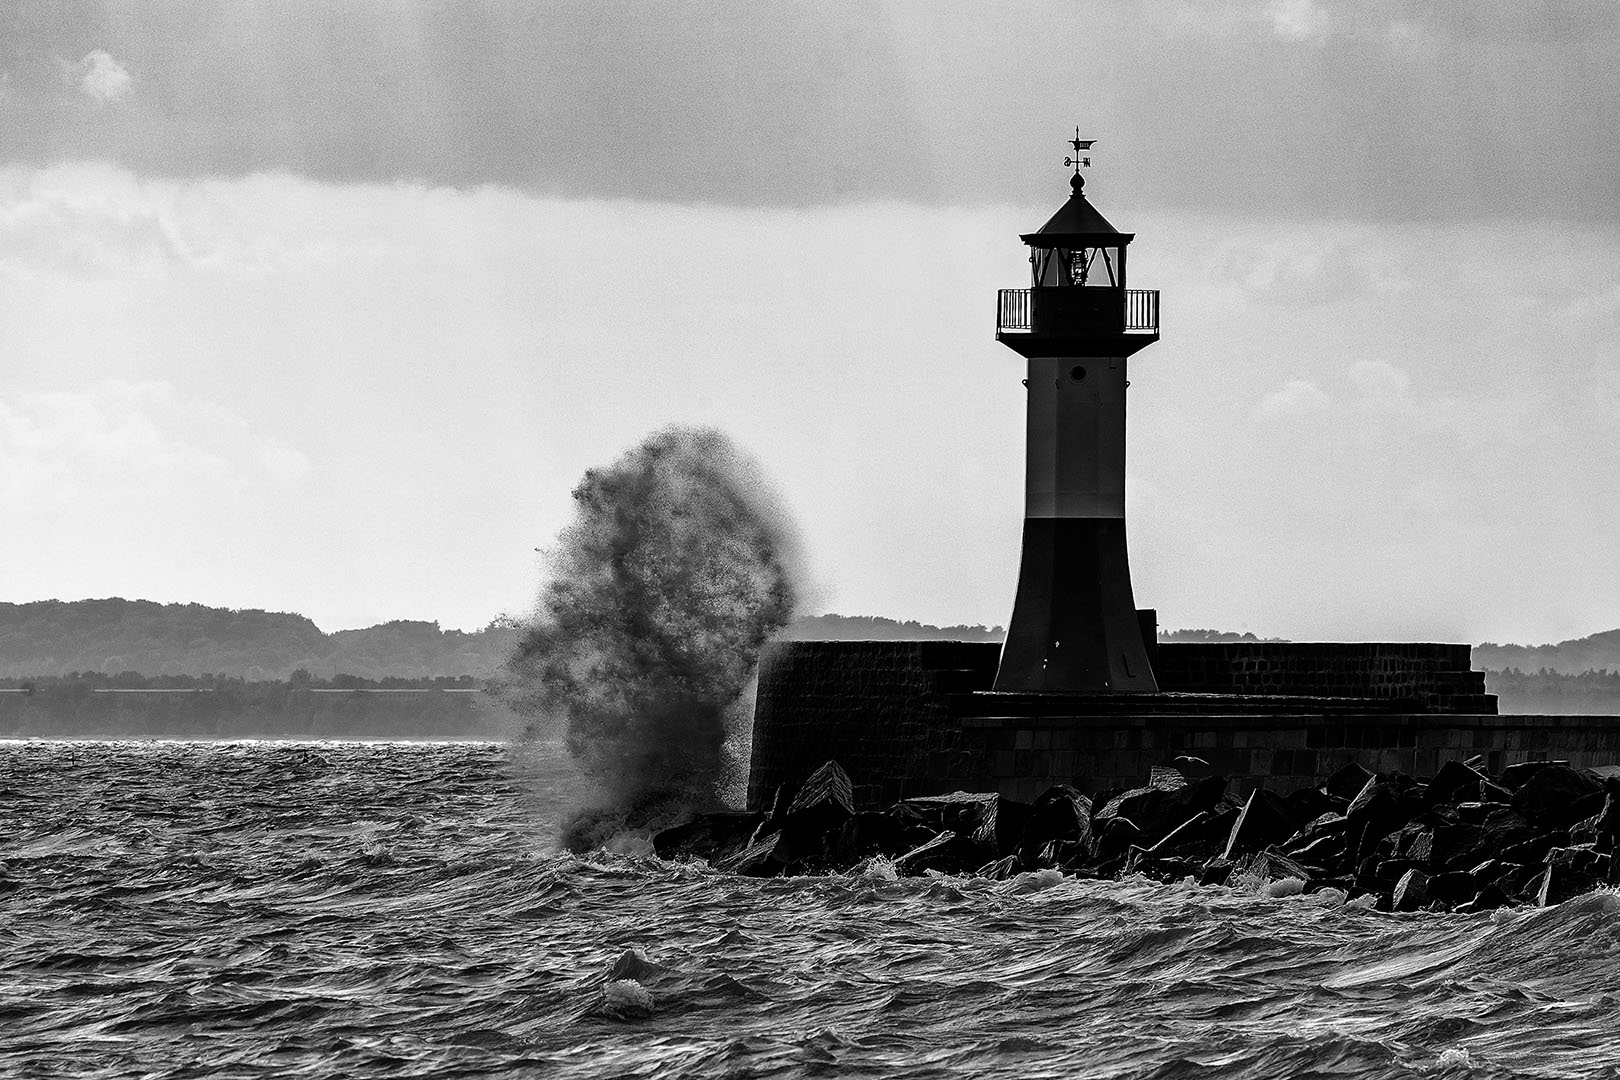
x=1094, y=267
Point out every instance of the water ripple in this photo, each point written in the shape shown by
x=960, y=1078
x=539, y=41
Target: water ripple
x=174, y=910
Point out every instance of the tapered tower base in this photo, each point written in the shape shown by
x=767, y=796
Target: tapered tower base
x=1074, y=625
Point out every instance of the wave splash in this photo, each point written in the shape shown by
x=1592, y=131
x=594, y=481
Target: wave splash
x=678, y=567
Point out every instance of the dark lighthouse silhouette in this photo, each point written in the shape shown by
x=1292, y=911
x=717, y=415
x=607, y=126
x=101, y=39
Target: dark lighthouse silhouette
x=1082, y=693
x=1074, y=625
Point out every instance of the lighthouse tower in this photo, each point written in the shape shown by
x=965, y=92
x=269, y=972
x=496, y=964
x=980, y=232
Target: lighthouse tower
x=1074, y=625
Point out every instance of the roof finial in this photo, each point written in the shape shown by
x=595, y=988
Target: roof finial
x=1078, y=183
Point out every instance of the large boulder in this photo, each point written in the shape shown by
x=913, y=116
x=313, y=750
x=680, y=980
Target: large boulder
x=1059, y=813
x=1559, y=882
x=1381, y=807
x=947, y=853
x=769, y=856
x=1454, y=783
x=707, y=836
x=969, y=813
x=824, y=801
x=1558, y=795
x=1347, y=782
x=1157, y=811
x=1308, y=804
x=1514, y=776
x=865, y=835
x=1411, y=891
x=1264, y=821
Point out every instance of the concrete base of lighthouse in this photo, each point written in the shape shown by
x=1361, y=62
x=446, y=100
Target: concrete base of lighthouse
x=1074, y=625
x=908, y=718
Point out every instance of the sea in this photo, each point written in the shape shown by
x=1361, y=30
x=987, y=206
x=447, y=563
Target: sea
x=275, y=909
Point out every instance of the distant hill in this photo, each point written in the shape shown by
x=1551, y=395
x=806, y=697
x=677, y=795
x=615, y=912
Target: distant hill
x=52, y=638
x=877, y=628
x=1595, y=652
x=55, y=637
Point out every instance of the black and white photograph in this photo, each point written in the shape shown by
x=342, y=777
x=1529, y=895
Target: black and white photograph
x=587, y=539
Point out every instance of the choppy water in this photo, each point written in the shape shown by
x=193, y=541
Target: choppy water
x=190, y=910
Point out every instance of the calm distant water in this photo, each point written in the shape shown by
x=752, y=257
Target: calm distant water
x=324, y=909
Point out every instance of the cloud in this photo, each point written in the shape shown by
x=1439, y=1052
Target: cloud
x=1380, y=382
x=1297, y=398
x=122, y=443
x=1298, y=20
x=105, y=80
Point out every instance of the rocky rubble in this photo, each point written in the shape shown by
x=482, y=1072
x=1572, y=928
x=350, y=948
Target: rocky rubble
x=1462, y=840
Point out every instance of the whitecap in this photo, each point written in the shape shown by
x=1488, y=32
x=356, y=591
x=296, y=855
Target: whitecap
x=626, y=997
x=1288, y=886
x=1035, y=881
x=1456, y=1057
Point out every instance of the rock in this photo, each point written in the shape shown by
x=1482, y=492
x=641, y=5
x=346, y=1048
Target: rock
x=1475, y=812
x=1411, y=892
x=1347, y=782
x=1143, y=804
x=1453, y=783
x=948, y=853
x=707, y=836
x=1323, y=825
x=1489, y=898
x=1453, y=887
x=1325, y=854
x=1457, y=847
x=1012, y=816
x=1504, y=828
x=1582, y=860
x=1116, y=838
x=769, y=856
x=1215, y=872
x=1534, y=850
x=1603, y=827
x=824, y=799
x=1308, y=804
x=969, y=813
x=1060, y=854
x=1514, y=776
x=1001, y=869
x=1059, y=813
x=866, y=834
x=1204, y=834
x=1166, y=779
x=1415, y=843
x=1161, y=868
x=1559, y=883
x=1273, y=865
x=1558, y=795
x=1380, y=808
x=1260, y=824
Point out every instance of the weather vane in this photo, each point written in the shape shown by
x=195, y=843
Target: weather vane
x=1079, y=144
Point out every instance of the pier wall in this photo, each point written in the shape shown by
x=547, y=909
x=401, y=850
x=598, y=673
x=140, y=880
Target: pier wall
x=895, y=715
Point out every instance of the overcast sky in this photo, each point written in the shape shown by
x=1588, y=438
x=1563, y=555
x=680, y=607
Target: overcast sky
x=326, y=307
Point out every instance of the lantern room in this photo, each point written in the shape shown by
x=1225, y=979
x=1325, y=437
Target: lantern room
x=1078, y=285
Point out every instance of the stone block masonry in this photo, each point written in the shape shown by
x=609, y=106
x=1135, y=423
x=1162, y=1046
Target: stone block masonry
x=910, y=718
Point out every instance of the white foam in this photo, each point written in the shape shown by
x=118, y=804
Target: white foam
x=1456, y=1057
x=1035, y=881
x=1288, y=886
x=627, y=996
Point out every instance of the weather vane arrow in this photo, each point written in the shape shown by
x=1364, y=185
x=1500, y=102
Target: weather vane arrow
x=1079, y=144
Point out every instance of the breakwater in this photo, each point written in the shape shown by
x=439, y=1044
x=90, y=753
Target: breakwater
x=1463, y=839
x=916, y=718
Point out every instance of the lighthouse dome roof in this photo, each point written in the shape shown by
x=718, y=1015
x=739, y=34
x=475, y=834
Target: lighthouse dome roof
x=1076, y=224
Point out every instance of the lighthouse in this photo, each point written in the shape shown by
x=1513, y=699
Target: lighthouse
x=1074, y=626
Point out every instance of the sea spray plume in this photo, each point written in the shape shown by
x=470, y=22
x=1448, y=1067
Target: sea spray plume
x=676, y=571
